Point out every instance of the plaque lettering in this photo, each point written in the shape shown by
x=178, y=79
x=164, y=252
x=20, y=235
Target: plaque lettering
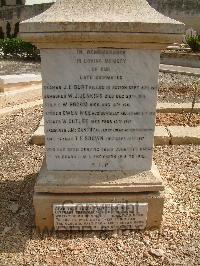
x=100, y=216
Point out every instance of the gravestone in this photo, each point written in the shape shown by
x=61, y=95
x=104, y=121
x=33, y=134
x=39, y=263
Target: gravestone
x=100, y=64
x=99, y=109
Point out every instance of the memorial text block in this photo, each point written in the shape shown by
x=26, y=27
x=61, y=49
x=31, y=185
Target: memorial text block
x=99, y=108
x=100, y=216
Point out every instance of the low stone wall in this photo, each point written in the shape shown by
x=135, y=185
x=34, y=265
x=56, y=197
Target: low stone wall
x=180, y=59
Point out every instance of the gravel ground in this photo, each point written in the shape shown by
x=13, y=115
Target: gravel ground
x=177, y=88
x=8, y=67
x=171, y=119
x=34, y=94
x=176, y=243
x=173, y=87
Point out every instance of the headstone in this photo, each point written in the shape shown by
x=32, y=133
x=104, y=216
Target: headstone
x=100, y=63
x=99, y=108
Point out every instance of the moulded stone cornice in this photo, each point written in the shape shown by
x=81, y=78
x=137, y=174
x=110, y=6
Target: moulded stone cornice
x=127, y=21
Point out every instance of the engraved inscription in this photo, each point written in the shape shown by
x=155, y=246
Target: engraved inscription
x=100, y=216
x=99, y=108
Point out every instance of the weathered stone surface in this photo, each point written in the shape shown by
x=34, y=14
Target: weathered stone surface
x=43, y=204
x=100, y=216
x=101, y=16
x=98, y=181
x=94, y=24
x=99, y=108
x=187, y=13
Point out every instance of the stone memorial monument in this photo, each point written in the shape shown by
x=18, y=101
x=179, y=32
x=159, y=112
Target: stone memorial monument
x=100, y=64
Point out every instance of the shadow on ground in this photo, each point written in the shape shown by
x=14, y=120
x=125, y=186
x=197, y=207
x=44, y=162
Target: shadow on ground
x=17, y=215
x=17, y=218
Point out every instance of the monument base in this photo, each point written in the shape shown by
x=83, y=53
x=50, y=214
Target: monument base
x=44, y=217
x=98, y=181
x=105, y=199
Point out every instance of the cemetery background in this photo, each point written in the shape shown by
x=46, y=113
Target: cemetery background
x=175, y=243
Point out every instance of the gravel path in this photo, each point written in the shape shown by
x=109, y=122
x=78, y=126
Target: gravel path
x=176, y=243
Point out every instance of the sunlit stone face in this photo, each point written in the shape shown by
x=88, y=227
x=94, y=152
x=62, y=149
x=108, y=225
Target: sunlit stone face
x=99, y=108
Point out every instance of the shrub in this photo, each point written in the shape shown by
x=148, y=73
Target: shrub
x=18, y=49
x=194, y=42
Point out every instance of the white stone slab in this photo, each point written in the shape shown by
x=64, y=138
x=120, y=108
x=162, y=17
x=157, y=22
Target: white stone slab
x=99, y=108
x=100, y=216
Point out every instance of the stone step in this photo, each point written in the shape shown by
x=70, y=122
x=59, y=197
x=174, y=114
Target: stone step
x=171, y=135
x=177, y=108
x=191, y=71
x=184, y=135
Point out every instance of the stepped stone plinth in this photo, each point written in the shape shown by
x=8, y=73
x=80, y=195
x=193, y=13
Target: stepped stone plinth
x=100, y=64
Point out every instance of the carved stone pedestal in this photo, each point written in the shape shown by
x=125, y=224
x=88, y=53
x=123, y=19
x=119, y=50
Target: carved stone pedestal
x=44, y=217
x=100, y=65
x=100, y=192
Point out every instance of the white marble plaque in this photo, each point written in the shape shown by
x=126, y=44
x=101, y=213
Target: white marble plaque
x=100, y=216
x=99, y=108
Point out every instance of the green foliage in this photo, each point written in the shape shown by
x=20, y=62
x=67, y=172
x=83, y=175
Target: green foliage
x=194, y=42
x=18, y=49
